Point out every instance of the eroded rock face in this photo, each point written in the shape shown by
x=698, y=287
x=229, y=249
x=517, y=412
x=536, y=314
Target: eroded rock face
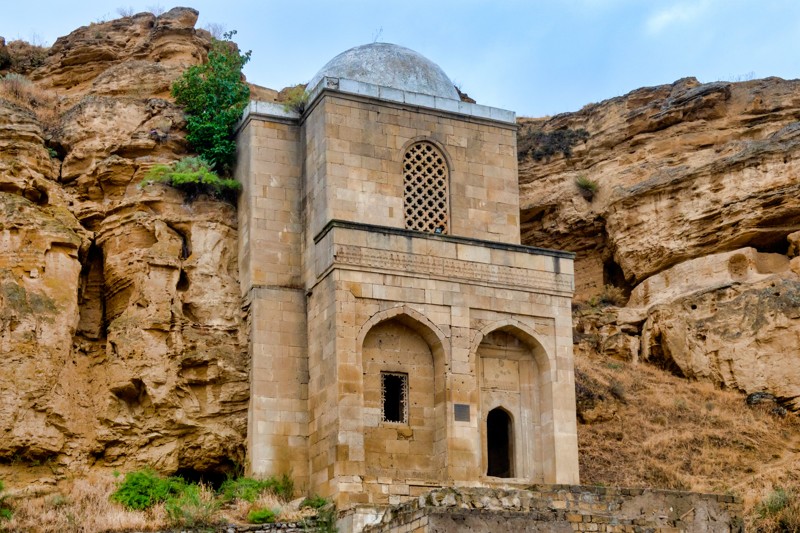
x=696, y=215
x=683, y=170
x=742, y=333
x=120, y=325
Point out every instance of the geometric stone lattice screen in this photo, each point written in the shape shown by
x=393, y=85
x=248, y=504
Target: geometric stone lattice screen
x=426, y=193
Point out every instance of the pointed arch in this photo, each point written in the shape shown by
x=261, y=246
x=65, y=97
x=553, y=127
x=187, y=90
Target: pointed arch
x=397, y=342
x=516, y=373
x=500, y=443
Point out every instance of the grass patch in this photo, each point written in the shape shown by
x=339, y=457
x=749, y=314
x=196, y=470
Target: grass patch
x=194, y=176
x=44, y=104
x=314, y=502
x=587, y=186
x=261, y=516
x=249, y=489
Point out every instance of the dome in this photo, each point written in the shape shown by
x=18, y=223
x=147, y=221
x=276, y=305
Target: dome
x=389, y=65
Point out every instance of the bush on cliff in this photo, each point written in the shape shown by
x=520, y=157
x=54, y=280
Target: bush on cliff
x=214, y=96
x=193, y=176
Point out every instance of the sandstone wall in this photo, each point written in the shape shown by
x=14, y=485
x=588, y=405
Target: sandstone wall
x=696, y=204
x=121, y=321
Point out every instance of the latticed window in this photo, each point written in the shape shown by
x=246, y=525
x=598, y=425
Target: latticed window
x=394, y=397
x=426, y=189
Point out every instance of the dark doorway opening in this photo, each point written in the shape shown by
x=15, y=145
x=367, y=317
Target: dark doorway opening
x=498, y=442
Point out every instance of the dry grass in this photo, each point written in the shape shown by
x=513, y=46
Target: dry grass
x=82, y=506
x=674, y=434
x=23, y=92
x=24, y=56
x=284, y=511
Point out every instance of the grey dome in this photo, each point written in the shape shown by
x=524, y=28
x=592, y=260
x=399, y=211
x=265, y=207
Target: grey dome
x=389, y=65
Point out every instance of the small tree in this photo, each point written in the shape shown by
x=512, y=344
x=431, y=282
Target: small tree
x=214, y=96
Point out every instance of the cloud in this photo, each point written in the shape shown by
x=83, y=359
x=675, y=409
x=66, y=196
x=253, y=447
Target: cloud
x=676, y=14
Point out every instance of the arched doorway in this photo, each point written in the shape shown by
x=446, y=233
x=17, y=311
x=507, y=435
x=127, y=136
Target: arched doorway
x=499, y=444
x=514, y=434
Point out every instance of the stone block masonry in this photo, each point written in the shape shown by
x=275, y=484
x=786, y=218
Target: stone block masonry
x=556, y=508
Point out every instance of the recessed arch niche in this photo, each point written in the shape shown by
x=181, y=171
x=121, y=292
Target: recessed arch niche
x=514, y=385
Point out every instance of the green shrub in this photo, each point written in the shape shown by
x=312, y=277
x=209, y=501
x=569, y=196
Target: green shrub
x=587, y=186
x=774, y=503
x=314, y=502
x=5, y=510
x=326, y=519
x=191, y=507
x=296, y=99
x=193, y=176
x=214, y=96
x=247, y=488
x=142, y=489
x=540, y=144
x=261, y=516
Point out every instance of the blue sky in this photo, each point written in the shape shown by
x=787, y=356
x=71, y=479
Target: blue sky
x=536, y=57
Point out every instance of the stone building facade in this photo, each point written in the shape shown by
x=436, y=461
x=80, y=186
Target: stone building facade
x=401, y=337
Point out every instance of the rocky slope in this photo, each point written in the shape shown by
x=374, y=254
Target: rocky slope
x=120, y=329
x=694, y=218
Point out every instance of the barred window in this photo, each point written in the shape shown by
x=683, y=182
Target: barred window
x=426, y=189
x=394, y=397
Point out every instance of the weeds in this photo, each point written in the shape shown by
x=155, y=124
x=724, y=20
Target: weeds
x=779, y=511
x=248, y=489
x=194, y=505
x=18, y=89
x=261, y=516
x=5, y=510
x=540, y=144
x=24, y=57
x=193, y=176
x=295, y=99
x=143, y=489
x=314, y=502
x=587, y=186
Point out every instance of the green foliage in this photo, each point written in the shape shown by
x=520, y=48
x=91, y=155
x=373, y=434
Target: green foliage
x=778, y=512
x=774, y=503
x=314, y=502
x=144, y=488
x=5, y=510
x=326, y=519
x=189, y=508
x=247, y=488
x=296, y=99
x=214, y=96
x=261, y=516
x=193, y=175
x=587, y=186
x=540, y=144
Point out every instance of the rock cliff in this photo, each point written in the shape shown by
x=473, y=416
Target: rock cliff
x=120, y=329
x=686, y=199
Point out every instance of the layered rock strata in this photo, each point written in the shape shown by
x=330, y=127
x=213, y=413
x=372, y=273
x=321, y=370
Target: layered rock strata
x=121, y=315
x=694, y=215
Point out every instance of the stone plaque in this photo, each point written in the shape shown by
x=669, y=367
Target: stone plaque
x=461, y=412
x=502, y=374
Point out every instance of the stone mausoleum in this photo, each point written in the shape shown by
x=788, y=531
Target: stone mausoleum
x=401, y=337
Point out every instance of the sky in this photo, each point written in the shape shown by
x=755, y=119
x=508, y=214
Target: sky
x=535, y=57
